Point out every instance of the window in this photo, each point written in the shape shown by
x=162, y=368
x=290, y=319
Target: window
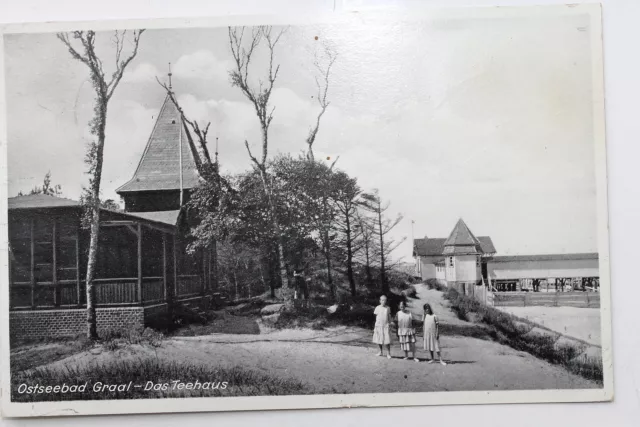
x=450, y=261
x=478, y=261
x=66, y=260
x=21, y=260
x=43, y=250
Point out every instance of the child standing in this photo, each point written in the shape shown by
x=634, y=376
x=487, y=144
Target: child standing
x=431, y=333
x=406, y=332
x=381, y=334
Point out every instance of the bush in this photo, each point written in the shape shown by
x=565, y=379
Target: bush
x=436, y=284
x=410, y=292
x=241, y=382
x=518, y=334
x=462, y=305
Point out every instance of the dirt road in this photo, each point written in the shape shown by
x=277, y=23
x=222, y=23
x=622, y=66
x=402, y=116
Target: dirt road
x=342, y=360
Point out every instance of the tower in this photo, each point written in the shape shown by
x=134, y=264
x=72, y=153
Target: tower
x=462, y=252
x=166, y=173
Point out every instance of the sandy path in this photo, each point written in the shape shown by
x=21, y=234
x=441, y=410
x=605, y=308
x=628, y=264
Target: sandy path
x=343, y=359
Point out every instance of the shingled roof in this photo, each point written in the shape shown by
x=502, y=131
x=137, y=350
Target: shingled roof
x=435, y=246
x=461, y=236
x=166, y=150
x=460, y=241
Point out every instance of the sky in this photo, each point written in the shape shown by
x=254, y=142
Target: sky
x=488, y=120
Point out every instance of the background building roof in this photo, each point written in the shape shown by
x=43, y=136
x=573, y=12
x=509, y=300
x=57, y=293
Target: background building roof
x=461, y=236
x=159, y=167
x=35, y=201
x=435, y=247
x=547, y=257
x=165, y=219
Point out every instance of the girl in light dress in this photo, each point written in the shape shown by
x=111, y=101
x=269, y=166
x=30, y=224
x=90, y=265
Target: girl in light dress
x=431, y=333
x=381, y=335
x=406, y=331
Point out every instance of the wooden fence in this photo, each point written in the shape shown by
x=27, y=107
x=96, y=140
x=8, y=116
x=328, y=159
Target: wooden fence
x=108, y=292
x=548, y=299
x=46, y=295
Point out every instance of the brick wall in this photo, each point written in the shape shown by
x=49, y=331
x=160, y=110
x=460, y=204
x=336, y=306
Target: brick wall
x=60, y=323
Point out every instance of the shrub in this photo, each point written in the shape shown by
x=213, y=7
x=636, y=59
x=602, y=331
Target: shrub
x=462, y=305
x=436, y=284
x=410, y=292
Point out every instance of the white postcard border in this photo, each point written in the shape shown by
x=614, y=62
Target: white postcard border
x=95, y=407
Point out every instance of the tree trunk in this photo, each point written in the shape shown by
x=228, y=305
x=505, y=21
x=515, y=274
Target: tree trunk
x=235, y=281
x=92, y=327
x=214, y=267
x=383, y=272
x=264, y=283
x=273, y=273
x=352, y=282
x=367, y=266
x=327, y=256
x=284, y=279
x=282, y=269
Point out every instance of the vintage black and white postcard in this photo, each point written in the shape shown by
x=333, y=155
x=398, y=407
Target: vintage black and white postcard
x=250, y=213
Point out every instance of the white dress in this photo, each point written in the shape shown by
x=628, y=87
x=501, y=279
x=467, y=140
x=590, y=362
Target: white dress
x=406, y=332
x=381, y=333
x=430, y=329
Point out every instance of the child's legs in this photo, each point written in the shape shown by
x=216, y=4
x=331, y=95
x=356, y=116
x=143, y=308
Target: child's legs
x=388, y=348
x=380, y=346
x=431, y=351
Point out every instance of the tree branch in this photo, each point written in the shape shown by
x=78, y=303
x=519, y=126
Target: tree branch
x=323, y=90
x=117, y=75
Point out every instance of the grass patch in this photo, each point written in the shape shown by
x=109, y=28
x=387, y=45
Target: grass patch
x=239, y=381
x=115, y=339
x=223, y=323
x=520, y=335
x=28, y=354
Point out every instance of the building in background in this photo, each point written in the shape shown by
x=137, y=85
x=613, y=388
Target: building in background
x=465, y=261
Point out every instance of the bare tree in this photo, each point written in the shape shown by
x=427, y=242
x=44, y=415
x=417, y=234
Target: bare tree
x=383, y=226
x=322, y=82
x=81, y=46
x=260, y=97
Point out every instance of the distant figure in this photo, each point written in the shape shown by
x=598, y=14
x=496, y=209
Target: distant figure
x=302, y=288
x=431, y=333
x=406, y=331
x=381, y=335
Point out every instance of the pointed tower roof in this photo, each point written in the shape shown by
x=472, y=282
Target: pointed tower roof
x=167, y=162
x=461, y=240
